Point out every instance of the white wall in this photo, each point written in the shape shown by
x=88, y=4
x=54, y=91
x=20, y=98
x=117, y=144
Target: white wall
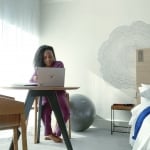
x=77, y=29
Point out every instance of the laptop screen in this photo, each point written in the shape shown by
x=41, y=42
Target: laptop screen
x=51, y=76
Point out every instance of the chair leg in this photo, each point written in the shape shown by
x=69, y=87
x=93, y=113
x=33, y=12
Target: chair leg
x=24, y=132
x=69, y=122
x=39, y=119
x=69, y=129
x=35, y=121
x=15, y=138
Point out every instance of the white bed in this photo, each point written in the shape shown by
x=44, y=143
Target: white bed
x=142, y=141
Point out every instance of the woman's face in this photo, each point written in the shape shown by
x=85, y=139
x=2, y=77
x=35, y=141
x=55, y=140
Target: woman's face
x=48, y=58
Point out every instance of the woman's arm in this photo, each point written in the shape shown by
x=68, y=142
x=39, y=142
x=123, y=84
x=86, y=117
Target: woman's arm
x=58, y=64
x=34, y=78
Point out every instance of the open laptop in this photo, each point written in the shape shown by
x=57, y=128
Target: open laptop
x=51, y=76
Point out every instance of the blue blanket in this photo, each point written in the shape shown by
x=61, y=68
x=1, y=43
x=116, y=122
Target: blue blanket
x=140, y=120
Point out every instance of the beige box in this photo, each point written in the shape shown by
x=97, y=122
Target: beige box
x=142, y=67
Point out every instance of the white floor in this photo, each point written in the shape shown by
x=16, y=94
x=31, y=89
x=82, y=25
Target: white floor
x=95, y=138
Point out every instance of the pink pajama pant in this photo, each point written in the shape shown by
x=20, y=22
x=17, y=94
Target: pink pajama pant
x=47, y=113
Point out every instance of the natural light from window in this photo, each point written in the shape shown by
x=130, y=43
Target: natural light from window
x=17, y=48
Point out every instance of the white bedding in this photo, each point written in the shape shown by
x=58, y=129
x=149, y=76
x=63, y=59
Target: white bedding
x=142, y=141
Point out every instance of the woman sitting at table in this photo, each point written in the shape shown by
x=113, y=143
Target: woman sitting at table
x=45, y=57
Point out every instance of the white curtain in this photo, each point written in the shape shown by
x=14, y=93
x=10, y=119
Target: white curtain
x=19, y=32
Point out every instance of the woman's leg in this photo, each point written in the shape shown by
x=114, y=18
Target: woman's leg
x=46, y=118
x=64, y=106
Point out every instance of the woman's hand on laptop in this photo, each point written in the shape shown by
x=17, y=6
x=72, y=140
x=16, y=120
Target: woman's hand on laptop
x=35, y=78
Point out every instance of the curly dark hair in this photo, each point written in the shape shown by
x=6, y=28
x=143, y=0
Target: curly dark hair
x=38, y=58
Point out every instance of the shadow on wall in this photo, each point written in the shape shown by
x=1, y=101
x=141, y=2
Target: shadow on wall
x=117, y=55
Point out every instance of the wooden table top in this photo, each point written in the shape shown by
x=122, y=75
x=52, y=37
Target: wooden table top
x=39, y=87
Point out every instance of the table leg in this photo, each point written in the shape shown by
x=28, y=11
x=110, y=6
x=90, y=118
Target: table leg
x=55, y=106
x=29, y=102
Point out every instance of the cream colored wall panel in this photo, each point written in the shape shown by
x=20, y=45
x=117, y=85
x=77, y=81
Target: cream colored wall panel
x=142, y=68
x=143, y=77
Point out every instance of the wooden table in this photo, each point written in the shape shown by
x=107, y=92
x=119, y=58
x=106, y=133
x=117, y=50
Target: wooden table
x=50, y=93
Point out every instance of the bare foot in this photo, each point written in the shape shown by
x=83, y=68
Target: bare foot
x=53, y=137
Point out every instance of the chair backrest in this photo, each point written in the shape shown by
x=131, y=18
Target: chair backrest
x=8, y=105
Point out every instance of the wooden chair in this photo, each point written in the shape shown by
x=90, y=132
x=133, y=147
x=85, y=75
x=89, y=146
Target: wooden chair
x=12, y=117
x=36, y=110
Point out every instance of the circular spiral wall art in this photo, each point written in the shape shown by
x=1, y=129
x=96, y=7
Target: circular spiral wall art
x=117, y=55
